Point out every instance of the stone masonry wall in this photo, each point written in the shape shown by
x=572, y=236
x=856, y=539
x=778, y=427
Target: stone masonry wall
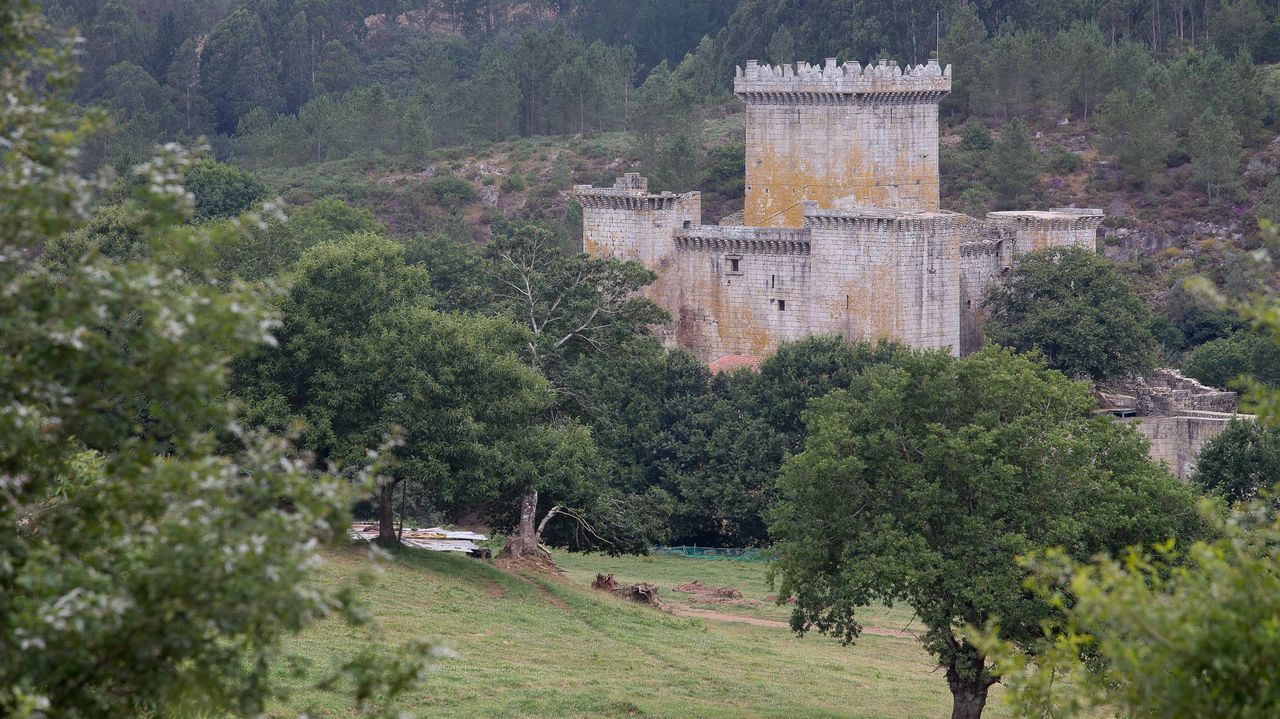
x=865, y=135
x=981, y=266
x=740, y=290
x=1177, y=440
x=1060, y=227
x=886, y=274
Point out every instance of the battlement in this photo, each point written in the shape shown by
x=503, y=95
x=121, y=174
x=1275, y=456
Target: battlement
x=882, y=219
x=1056, y=219
x=803, y=83
x=737, y=239
x=980, y=248
x=629, y=192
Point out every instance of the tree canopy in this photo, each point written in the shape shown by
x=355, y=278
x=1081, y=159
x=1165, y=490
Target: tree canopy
x=1072, y=306
x=923, y=480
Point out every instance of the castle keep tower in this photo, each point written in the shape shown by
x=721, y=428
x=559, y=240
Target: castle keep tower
x=841, y=231
x=839, y=132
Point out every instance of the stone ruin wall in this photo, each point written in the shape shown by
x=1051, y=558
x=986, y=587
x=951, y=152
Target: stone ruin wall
x=863, y=135
x=982, y=265
x=1177, y=415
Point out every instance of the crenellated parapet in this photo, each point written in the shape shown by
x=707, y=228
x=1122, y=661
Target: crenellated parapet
x=870, y=219
x=1058, y=219
x=980, y=248
x=831, y=84
x=741, y=240
x=629, y=192
x=1039, y=229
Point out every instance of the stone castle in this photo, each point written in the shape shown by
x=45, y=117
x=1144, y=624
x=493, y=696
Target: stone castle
x=841, y=230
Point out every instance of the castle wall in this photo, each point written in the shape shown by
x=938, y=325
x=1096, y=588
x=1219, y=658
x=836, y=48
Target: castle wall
x=886, y=274
x=1177, y=440
x=864, y=136
x=1060, y=227
x=742, y=290
x=981, y=265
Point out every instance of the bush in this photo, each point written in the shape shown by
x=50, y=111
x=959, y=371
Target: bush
x=1222, y=362
x=448, y=189
x=512, y=183
x=1063, y=161
x=221, y=190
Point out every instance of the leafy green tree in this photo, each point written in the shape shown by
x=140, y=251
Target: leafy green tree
x=140, y=109
x=1214, y=146
x=962, y=45
x=221, y=190
x=1013, y=164
x=114, y=37
x=1136, y=130
x=782, y=47
x=278, y=247
x=1072, y=305
x=1239, y=463
x=108, y=515
x=236, y=72
x=661, y=110
x=571, y=307
x=1228, y=361
x=922, y=482
x=1081, y=55
x=1167, y=632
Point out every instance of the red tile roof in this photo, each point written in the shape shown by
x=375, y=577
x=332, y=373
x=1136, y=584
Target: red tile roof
x=732, y=362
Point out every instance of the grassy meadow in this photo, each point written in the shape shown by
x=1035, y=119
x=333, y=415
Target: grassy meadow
x=529, y=645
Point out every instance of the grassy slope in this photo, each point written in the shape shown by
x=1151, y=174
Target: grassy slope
x=538, y=647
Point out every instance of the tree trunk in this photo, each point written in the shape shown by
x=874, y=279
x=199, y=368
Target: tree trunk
x=386, y=514
x=524, y=543
x=968, y=695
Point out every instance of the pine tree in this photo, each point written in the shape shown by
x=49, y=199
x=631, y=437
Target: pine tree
x=1013, y=164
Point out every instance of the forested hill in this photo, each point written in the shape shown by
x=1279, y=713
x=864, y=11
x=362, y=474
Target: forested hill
x=441, y=117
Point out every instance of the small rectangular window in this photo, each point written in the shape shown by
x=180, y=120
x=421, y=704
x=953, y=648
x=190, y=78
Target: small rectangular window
x=773, y=280
x=733, y=264
x=782, y=305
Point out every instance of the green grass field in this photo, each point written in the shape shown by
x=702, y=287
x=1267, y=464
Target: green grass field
x=533, y=646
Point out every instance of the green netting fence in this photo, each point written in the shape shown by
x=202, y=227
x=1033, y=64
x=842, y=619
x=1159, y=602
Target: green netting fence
x=736, y=554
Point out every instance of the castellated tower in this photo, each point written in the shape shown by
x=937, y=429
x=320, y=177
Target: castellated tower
x=841, y=231
x=866, y=134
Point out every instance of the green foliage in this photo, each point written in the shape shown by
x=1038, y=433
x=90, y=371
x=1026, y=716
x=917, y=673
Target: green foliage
x=922, y=481
x=115, y=375
x=1063, y=161
x=449, y=190
x=1136, y=130
x=1239, y=463
x=1214, y=146
x=976, y=137
x=1075, y=308
x=1176, y=633
x=1072, y=306
x=661, y=111
x=1229, y=361
x=220, y=190
x=278, y=247
x=1013, y=165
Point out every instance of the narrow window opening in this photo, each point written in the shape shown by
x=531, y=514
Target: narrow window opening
x=773, y=280
x=968, y=303
x=782, y=305
x=846, y=302
x=688, y=224
x=733, y=264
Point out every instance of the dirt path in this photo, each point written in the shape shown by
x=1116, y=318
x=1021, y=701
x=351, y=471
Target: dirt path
x=715, y=616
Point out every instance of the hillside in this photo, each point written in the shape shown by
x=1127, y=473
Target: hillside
x=533, y=646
